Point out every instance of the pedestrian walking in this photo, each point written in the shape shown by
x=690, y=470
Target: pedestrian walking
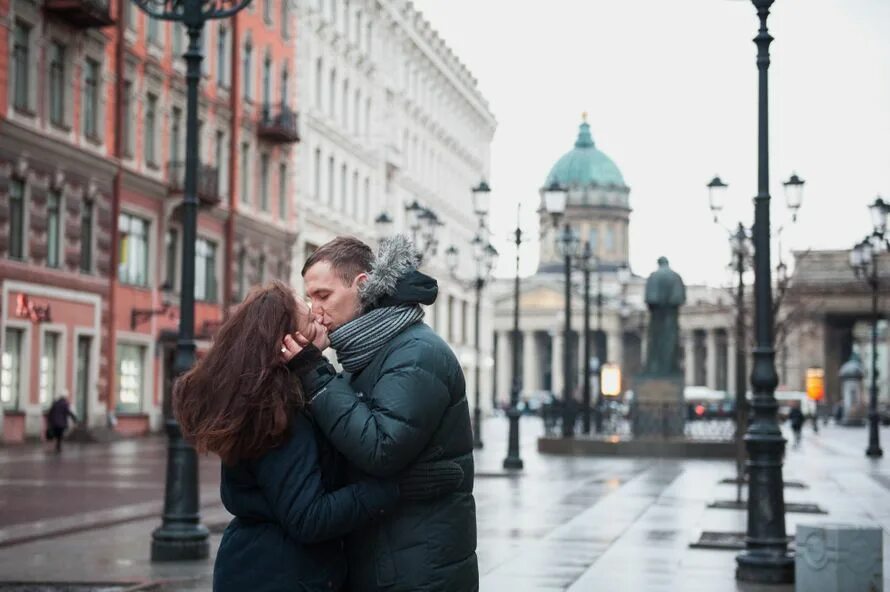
x=57, y=420
x=796, y=418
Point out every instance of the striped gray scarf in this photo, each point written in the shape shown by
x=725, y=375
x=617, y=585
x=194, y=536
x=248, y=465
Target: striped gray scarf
x=358, y=341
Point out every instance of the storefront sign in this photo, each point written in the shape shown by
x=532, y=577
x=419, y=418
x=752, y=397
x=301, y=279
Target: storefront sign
x=26, y=308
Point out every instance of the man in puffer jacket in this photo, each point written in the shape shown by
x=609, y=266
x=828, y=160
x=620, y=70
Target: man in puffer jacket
x=400, y=398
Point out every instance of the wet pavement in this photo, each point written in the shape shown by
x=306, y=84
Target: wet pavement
x=564, y=523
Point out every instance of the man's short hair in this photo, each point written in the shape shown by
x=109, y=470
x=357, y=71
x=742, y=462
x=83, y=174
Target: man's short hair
x=347, y=255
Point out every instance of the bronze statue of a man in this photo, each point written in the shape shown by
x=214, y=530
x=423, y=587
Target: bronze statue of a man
x=665, y=293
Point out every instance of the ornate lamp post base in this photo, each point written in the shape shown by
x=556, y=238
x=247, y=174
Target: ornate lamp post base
x=181, y=536
x=765, y=568
x=513, y=461
x=477, y=427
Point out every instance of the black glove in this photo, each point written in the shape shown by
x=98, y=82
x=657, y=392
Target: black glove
x=308, y=358
x=430, y=480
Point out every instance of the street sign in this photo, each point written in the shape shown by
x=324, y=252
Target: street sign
x=815, y=383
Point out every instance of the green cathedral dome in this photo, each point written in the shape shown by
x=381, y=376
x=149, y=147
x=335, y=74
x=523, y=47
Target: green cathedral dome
x=584, y=165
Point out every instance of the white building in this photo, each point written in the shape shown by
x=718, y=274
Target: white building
x=390, y=116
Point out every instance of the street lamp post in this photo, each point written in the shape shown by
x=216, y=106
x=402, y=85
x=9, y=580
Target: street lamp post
x=485, y=257
x=555, y=197
x=587, y=260
x=864, y=260
x=766, y=558
x=513, y=461
x=739, y=241
x=181, y=535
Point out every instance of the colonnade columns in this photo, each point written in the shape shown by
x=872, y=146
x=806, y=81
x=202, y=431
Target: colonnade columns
x=530, y=364
x=689, y=357
x=711, y=358
x=505, y=372
x=556, y=364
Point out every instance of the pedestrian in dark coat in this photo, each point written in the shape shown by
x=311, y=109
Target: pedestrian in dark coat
x=57, y=420
x=796, y=417
x=278, y=474
x=401, y=397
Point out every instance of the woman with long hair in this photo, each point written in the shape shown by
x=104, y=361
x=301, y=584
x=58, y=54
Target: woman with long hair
x=279, y=476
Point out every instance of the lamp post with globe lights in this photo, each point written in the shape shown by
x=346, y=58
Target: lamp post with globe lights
x=567, y=244
x=864, y=261
x=181, y=535
x=485, y=258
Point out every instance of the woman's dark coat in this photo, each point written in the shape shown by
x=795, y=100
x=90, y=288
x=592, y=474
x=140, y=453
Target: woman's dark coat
x=286, y=534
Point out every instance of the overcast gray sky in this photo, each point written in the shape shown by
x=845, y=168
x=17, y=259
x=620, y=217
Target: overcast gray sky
x=671, y=92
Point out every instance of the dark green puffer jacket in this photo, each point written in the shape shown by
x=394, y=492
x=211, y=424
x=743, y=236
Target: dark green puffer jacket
x=409, y=402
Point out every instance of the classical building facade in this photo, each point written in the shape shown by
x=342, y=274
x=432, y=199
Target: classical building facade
x=822, y=311
x=391, y=117
x=92, y=150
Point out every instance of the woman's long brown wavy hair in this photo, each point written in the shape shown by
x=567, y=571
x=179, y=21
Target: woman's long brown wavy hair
x=238, y=400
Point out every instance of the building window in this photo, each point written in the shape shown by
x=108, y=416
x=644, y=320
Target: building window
x=451, y=307
x=368, y=116
x=284, y=80
x=205, y=270
x=610, y=239
x=264, y=182
x=57, y=84
x=344, y=116
x=175, y=133
x=267, y=11
x=285, y=20
x=11, y=368
x=245, y=164
x=464, y=337
x=16, y=219
x=130, y=377
x=367, y=205
x=331, y=181
x=49, y=367
x=317, y=174
x=319, y=68
x=86, y=236
x=261, y=268
x=332, y=93
x=53, y=228
x=91, y=99
x=282, y=191
x=127, y=127
x=21, y=60
x=356, y=109
x=267, y=80
x=153, y=33
x=240, y=279
x=133, y=250
x=178, y=38
x=369, y=29
x=221, y=68
x=355, y=211
x=151, y=107
x=245, y=69
x=343, y=187
x=170, y=243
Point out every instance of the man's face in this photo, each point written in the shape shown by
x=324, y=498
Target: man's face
x=334, y=302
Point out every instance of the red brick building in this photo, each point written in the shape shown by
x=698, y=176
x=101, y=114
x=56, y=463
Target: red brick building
x=92, y=149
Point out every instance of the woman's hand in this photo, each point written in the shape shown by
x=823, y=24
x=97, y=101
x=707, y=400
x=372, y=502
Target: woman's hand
x=314, y=333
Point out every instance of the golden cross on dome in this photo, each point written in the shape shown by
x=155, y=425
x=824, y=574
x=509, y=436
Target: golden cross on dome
x=584, y=116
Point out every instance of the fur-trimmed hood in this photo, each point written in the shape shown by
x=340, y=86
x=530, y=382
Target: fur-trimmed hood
x=394, y=278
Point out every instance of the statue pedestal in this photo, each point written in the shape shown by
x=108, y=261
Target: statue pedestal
x=659, y=410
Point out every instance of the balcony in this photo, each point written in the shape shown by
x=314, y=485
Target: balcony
x=208, y=182
x=83, y=14
x=278, y=124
